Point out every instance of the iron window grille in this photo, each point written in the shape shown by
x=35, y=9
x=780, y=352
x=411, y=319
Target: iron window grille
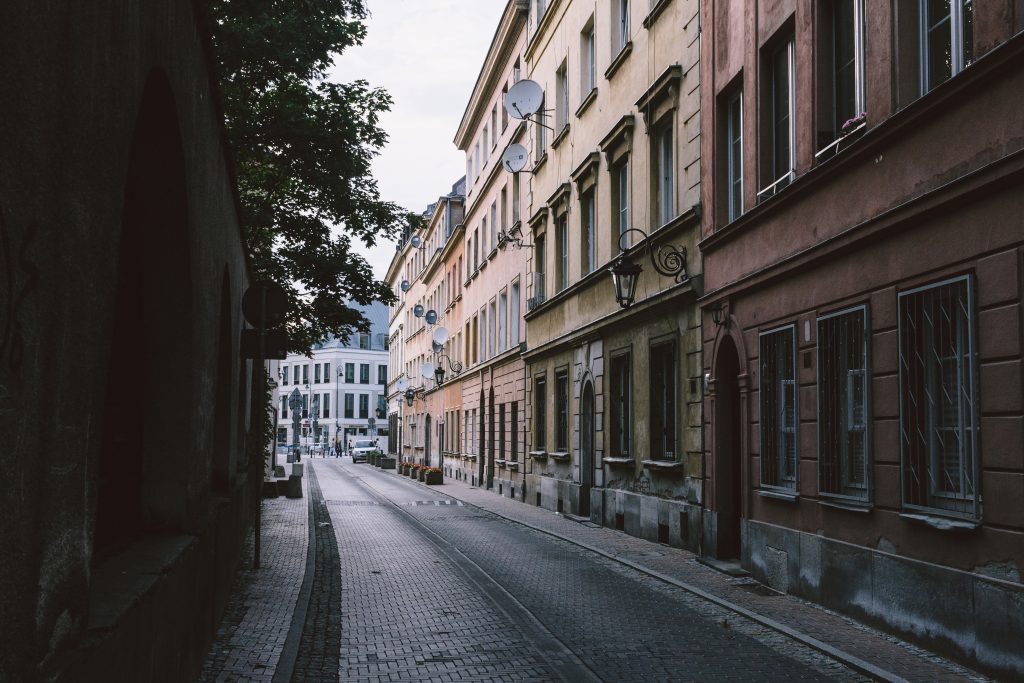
x=938, y=404
x=540, y=429
x=844, y=383
x=779, y=409
x=514, y=455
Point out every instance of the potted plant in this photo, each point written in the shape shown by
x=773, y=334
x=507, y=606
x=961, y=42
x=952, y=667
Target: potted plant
x=414, y=470
x=432, y=475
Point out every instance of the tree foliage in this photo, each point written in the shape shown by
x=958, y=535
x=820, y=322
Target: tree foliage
x=302, y=147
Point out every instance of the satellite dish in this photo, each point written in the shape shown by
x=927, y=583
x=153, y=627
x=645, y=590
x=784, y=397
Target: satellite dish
x=402, y=384
x=427, y=370
x=418, y=310
x=438, y=348
x=524, y=99
x=405, y=285
x=514, y=158
x=431, y=316
x=416, y=241
x=440, y=335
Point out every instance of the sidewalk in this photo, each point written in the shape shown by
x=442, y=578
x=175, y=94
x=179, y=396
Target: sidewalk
x=252, y=635
x=872, y=652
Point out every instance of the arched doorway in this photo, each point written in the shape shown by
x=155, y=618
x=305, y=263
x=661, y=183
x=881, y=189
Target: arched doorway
x=586, y=447
x=728, y=447
x=145, y=458
x=426, y=441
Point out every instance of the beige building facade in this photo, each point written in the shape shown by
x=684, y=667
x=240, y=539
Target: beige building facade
x=614, y=422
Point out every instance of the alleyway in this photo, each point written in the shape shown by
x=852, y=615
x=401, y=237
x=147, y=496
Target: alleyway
x=406, y=582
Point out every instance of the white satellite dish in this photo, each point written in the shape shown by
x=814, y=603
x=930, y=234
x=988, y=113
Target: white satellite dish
x=427, y=370
x=441, y=335
x=402, y=384
x=524, y=99
x=514, y=158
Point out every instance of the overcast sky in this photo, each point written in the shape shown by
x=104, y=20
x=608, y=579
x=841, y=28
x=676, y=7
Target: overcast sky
x=427, y=55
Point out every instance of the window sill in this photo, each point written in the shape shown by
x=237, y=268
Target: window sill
x=942, y=523
x=618, y=61
x=512, y=465
x=848, y=505
x=494, y=252
x=655, y=12
x=469, y=456
x=778, y=495
x=559, y=455
x=483, y=264
x=591, y=96
x=540, y=162
x=664, y=465
x=538, y=455
x=618, y=462
x=839, y=144
x=561, y=135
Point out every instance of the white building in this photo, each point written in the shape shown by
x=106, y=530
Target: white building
x=339, y=391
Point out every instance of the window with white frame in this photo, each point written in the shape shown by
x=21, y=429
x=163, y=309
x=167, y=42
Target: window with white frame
x=947, y=39
x=620, y=203
x=843, y=390
x=620, y=406
x=734, y=154
x=540, y=135
x=663, y=172
x=588, y=237
x=840, y=73
x=620, y=25
x=562, y=247
x=779, y=413
x=778, y=153
x=502, y=320
x=588, y=60
x=561, y=97
x=513, y=315
x=938, y=398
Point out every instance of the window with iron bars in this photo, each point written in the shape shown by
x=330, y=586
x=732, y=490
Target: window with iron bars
x=938, y=399
x=843, y=390
x=778, y=409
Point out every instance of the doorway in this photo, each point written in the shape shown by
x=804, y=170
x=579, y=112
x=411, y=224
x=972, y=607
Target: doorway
x=586, y=447
x=728, y=470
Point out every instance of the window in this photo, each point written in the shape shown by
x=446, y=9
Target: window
x=934, y=40
x=515, y=197
x=620, y=204
x=620, y=393
x=540, y=132
x=476, y=249
x=487, y=147
x=348, y=406
x=476, y=160
x=843, y=386
x=501, y=432
x=305, y=374
x=284, y=375
x=840, y=66
x=364, y=340
x=483, y=334
x=780, y=104
x=492, y=334
x=514, y=454
x=284, y=407
x=494, y=224
x=540, y=7
x=483, y=236
x=494, y=126
x=540, y=413
x=662, y=173
x=562, y=412
x=502, y=321
x=938, y=405
x=295, y=374
x=325, y=402
x=778, y=409
x=382, y=374
x=620, y=25
x=588, y=255
x=662, y=381
x=734, y=154
x=561, y=98
x=504, y=210
x=513, y=316
x=476, y=346
x=316, y=373
x=504, y=111
x=540, y=265
x=588, y=65
x=562, y=245
x=327, y=372
x=364, y=406
x=364, y=373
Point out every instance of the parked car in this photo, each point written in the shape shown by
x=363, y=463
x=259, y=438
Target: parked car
x=361, y=449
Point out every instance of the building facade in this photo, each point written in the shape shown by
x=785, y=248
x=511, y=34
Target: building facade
x=862, y=244
x=614, y=392
x=339, y=390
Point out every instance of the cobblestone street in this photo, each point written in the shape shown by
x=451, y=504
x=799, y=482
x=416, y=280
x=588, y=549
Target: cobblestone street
x=407, y=582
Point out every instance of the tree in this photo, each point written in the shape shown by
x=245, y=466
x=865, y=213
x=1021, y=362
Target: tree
x=302, y=147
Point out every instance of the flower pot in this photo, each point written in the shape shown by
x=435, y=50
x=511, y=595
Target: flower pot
x=434, y=478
